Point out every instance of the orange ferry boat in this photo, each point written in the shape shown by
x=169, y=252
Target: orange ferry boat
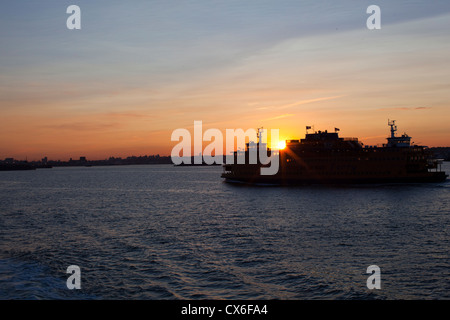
x=324, y=157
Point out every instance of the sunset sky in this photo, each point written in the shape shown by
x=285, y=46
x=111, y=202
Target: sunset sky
x=137, y=70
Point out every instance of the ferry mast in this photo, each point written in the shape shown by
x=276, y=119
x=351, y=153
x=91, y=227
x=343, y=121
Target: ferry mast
x=393, y=127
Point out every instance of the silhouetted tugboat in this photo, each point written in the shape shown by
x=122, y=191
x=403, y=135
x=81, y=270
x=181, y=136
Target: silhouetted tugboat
x=324, y=157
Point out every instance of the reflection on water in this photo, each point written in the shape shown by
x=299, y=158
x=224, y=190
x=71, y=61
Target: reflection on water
x=164, y=232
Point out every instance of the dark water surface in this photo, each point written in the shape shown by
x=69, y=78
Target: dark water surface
x=164, y=232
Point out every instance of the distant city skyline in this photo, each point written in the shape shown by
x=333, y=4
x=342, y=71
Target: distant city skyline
x=137, y=71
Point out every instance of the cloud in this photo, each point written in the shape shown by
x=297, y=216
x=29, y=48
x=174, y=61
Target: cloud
x=83, y=126
x=129, y=115
x=405, y=108
x=298, y=103
x=282, y=116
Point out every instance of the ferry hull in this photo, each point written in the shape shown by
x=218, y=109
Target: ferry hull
x=431, y=177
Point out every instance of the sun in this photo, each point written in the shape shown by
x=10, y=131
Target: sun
x=281, y=145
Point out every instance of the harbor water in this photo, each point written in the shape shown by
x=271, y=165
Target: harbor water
x=166, y=232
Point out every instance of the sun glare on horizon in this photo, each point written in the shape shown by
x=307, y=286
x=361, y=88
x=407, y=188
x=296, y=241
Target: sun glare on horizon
x=281, y=145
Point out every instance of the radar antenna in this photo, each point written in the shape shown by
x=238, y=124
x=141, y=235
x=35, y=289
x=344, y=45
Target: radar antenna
x=391, y=123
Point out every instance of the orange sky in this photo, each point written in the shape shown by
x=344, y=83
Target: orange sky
x=72, y=102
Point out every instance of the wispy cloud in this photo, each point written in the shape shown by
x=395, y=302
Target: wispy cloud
x=128, y=115
x=282, y=116
x=301, y=102
x=405, y=108
x=82, y=126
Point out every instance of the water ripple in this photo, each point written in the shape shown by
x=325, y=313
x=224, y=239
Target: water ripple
x=159, y=232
